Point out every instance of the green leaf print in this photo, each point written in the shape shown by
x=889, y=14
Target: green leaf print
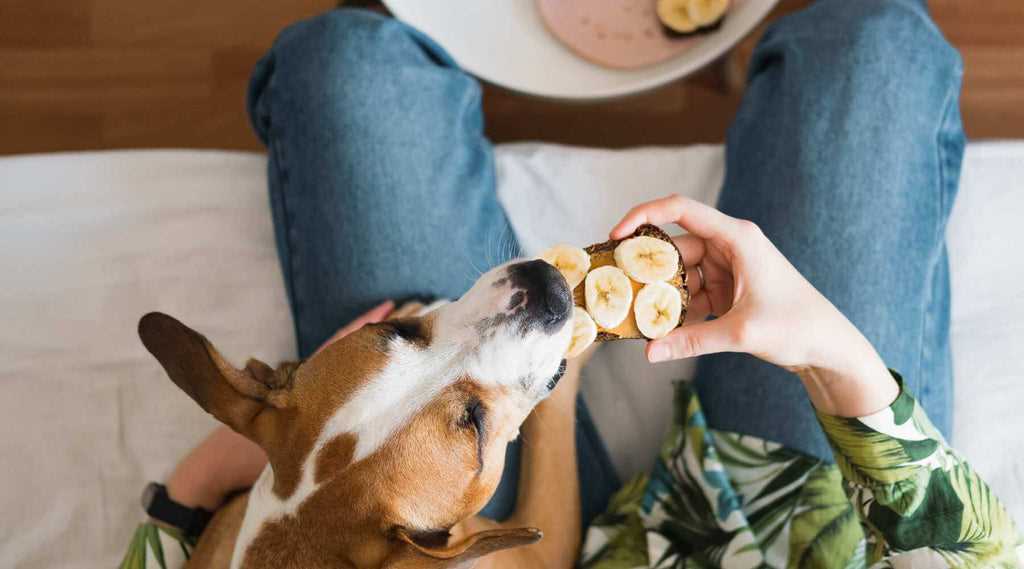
x=870, y=458
x=689, y=523
x=825, y=530
x=135, y=557
x=153, y=540
x=987, y=535
x=626, y=547
x=621, y=529
x=720, y=499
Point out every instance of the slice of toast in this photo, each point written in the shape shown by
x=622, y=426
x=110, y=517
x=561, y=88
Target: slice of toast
x=602, y=254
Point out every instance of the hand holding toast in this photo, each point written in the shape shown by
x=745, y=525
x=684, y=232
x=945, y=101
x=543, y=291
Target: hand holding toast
x=763, y=306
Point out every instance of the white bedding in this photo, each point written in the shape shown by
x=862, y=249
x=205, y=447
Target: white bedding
x=90, y=241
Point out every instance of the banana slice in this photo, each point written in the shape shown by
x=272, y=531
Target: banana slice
x=572, y=262
x=611, y=325
x=657, y=309
x=687, y=17
x=706, y=13
x=647, y=259
x=675, y=16
x=584, y=332
x=609, y=295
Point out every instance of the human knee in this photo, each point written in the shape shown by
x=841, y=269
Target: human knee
x=345, y=66
x=898, y=36
x=870, y=40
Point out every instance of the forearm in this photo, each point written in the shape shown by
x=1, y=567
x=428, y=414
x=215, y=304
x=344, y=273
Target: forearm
x=854, y=385
x=913, y=491
x=841, y=371
x=224, y=462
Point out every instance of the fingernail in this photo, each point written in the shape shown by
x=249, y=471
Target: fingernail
x=658, y=353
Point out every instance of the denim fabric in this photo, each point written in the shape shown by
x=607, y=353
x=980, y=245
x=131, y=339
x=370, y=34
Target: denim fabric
x=382, y=186
x=846, y=151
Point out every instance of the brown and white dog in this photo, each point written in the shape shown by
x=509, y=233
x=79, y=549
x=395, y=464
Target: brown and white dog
x=384, y=445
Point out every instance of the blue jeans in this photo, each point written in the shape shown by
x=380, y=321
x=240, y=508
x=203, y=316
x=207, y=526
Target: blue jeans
x=846, y=152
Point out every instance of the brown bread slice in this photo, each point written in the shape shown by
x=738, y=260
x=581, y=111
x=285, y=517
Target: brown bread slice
x=602, y=254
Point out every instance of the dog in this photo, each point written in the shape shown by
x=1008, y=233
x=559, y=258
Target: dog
x=384, y=445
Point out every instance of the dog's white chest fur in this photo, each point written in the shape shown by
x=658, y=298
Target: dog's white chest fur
x=263, y=506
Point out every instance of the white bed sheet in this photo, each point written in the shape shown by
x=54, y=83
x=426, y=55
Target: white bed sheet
x=90, y=241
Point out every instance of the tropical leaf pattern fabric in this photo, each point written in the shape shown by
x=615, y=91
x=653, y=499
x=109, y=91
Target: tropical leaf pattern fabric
x=897, y=496
x=157, y=547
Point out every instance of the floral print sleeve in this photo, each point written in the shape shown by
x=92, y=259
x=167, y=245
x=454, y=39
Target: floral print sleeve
x=155, y=546
x=896, y=497
x=921, y=503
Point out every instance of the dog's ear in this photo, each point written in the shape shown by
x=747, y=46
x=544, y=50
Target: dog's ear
x=234, y=396
x=438, y=554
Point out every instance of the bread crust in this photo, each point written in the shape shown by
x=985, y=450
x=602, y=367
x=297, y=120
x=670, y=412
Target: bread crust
x=602, y=254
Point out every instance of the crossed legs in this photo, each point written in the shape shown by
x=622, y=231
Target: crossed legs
x=846, y=152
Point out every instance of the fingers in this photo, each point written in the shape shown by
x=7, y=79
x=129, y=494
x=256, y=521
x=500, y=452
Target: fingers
x=698, y=309
x=691, y=247
x=697, y=339
x=375, y=314
x=693, y=216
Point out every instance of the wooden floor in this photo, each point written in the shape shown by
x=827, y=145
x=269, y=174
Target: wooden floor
x=89, y=74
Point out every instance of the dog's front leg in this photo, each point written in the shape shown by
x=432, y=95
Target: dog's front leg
x=217, y=544
x=549, y=496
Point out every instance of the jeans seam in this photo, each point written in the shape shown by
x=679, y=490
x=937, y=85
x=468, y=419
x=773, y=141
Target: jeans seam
x=927, y=318
x=273, y=144
x=940, y=144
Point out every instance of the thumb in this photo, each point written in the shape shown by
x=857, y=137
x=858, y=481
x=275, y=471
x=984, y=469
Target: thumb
x=693, y=340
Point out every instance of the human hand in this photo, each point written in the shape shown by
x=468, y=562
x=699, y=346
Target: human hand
x=764, y=307
x=376, y=314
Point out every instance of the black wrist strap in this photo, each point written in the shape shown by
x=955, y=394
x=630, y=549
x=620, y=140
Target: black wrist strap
x=161, y=507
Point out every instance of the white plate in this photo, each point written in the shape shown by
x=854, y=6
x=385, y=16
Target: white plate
x=505, y=42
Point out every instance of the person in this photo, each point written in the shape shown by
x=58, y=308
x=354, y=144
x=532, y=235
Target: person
x=823, y=264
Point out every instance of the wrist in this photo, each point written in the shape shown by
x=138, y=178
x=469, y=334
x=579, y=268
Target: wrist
x=190, y=489
x=853, y=382
x=859, y=386
x=167, y=512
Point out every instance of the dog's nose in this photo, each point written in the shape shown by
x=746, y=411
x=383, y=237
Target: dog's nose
x=557, y=300
x=548, y=297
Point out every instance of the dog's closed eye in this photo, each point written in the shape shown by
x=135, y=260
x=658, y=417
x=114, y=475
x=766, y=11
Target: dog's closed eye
x=475, y=417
